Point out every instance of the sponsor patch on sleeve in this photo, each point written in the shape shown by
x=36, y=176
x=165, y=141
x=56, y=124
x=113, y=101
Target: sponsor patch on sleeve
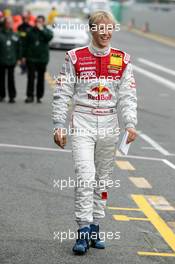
x=133, y=82
x=126, y=58
x=67, y=57
x=73, y=56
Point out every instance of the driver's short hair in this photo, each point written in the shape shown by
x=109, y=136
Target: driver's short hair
x=100, y=15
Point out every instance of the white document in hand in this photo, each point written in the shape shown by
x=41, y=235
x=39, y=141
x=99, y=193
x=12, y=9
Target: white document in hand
x=124, y=148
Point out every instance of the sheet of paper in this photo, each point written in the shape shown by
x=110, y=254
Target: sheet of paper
x=124, y=148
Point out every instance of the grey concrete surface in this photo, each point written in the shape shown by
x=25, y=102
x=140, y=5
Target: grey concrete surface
x=31, y=209
x=160, y=17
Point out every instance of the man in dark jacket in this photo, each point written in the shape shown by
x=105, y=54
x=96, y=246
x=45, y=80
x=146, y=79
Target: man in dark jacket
x=23, y=30
x=9, y=55
x=36, y=54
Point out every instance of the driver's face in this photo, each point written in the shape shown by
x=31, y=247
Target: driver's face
x=103, y=33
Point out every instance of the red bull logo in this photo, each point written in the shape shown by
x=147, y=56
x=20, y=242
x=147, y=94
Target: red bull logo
x=100, y=93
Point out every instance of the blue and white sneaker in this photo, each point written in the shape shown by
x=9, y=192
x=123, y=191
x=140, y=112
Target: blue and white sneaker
x=95, y=241
x=82, y=243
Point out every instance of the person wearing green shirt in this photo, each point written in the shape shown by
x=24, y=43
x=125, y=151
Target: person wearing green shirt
x=36, y=56
x=9, y=56
x=23, y=30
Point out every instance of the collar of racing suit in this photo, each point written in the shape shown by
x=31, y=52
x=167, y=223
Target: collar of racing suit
x=99, y=52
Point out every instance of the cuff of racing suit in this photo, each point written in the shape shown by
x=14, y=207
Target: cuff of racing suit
x=58, y=125
x=129, y=125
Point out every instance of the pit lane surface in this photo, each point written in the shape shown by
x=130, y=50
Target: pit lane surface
x=33, y=210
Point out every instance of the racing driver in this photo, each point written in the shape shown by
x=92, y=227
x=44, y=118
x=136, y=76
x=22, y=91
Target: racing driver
x=100, y=80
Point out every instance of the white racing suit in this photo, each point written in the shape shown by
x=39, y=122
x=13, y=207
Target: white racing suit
x=99, y=81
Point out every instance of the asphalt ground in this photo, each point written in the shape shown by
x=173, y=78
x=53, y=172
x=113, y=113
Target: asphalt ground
x=33, y=210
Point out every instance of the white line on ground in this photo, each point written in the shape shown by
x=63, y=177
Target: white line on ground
x=154, y=144
x=139, y=157
x=157, y=66
x=167, y=162
x=34, y=148
x=147, y=148
x=155, y=77
x=170, y=164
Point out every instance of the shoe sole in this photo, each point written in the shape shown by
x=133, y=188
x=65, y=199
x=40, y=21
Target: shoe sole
x=92, y=245
x=79, y=252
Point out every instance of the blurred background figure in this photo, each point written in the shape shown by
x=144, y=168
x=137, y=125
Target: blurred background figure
x=1, y=20
x=7, y=13
x=17, y=20
x=31, y=18
x=9, y=55
x=23, y=31
x=36, y=56
x=53, y=13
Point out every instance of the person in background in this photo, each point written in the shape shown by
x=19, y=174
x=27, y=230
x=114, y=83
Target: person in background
x=9, y=55
x=17, y=20
x=1, y=20
x=53, y=13
x=23, y=30
x=32, y=18
x=7, y=13
x=36, y=57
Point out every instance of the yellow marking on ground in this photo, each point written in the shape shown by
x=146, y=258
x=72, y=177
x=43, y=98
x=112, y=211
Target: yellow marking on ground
x=159, y=202
x=118, y=153
x=138, y=219
x=124, y=209
x=161, y=226
x=127, y=218
x=124, y=165
x=158, y=254
x=140, y=182
x=50, y=80
x=121, y=217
